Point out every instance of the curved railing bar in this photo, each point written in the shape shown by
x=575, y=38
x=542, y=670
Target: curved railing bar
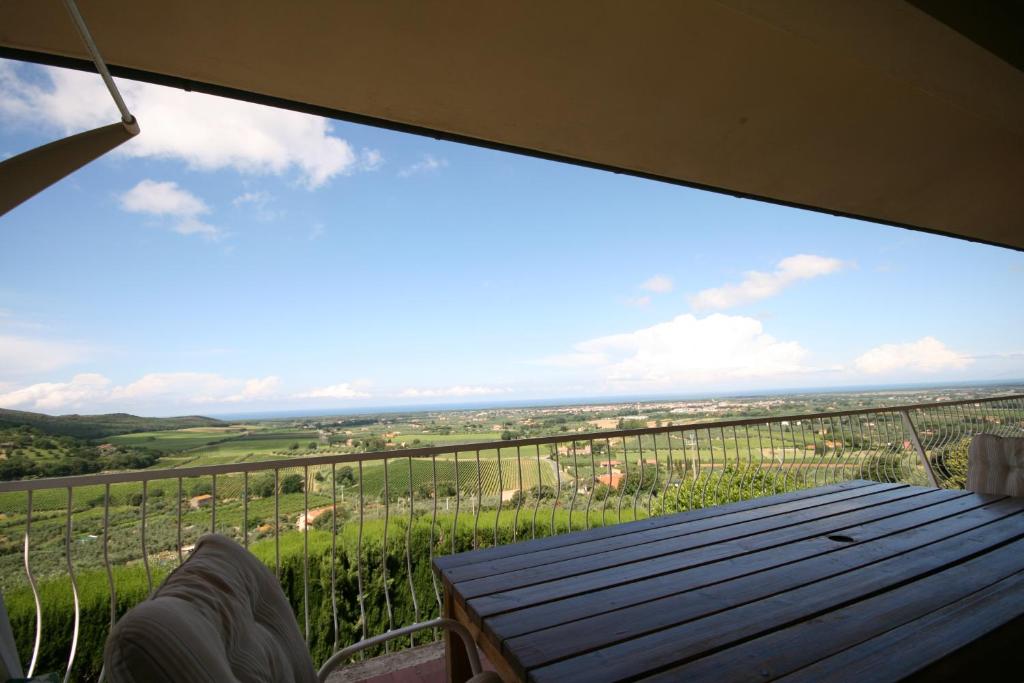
x=35, y=590
x=359, y=557
x=305, y=548
x=334, y=552
x=521, y=497
x=501, y=487
x=408, y=557
x=449, y=624
x=74, y=591
x=142, y=535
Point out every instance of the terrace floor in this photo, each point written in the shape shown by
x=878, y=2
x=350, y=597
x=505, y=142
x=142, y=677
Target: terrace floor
x=421, y=664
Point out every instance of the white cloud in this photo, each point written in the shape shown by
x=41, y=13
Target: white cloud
x=254, y=389
x=206, y=132
x=194, y=226
x=167, y=199
x=660, y=284
x=758, y=285
x=637, y=301
x=428, y=164
x=927, y=354
x=370, y=159
x=24, y=355
x=260, y=203
x=685, y=351
x=57, y=395
x=166, y=388
x=196, y=387
x=257, y=198
x=459, y=390
x=343, y=390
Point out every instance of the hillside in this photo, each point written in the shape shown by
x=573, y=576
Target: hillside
x=99, y=426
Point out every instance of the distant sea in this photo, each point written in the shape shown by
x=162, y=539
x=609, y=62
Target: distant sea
x=484, y=404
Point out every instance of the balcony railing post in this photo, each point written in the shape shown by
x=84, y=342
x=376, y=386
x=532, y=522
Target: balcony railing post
x=916, y=443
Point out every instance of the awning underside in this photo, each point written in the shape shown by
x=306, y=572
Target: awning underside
x=872, y=109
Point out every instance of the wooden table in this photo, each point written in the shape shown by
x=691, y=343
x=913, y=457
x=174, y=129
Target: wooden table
x=857, y=581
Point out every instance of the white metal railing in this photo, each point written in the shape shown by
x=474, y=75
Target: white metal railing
x=391, y=512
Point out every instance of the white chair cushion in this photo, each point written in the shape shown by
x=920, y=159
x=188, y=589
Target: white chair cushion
x=995, y=464
x=221, y=616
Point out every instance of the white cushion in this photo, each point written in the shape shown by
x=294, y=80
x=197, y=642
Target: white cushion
x=221, y=616
x=995, y=464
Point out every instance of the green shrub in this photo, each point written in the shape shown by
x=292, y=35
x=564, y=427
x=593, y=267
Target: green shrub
x=293, y=483
x=57, y=607
x=950, y=464
x=884, y=468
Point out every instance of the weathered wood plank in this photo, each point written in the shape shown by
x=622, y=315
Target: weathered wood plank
x=680, y=525
x=771, y=550
x=789, y=649
x=753, y=581
x=447, y=562
x=523, y=610
x=509, y=581
x=976, y=638
x=679, y=644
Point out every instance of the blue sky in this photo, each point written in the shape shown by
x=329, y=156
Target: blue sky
x=236, y=258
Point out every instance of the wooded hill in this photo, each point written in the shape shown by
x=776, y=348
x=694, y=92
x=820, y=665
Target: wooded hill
x=99, y=426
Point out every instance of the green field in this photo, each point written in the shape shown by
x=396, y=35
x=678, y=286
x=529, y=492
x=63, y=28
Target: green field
x=177, y=440
x=444, y=439
x=251, y=447
x=462, y=477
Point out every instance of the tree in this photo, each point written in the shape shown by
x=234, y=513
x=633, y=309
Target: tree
x=345, y=476
x=293, y=483
x=263, y=487
x=200, y=489
x=535, y=493
x=884, y=468
x=950, y=464
x=643, y=479
x=325, y=521
x=294, y=446
x=311, y=446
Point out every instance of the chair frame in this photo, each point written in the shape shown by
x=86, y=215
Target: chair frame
x=448, y=624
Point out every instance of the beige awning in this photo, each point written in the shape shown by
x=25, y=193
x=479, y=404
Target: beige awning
x=872, y=108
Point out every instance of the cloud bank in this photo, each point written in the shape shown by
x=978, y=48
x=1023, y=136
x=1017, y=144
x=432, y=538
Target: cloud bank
x=344, y=390
x=26, y=355
x=455, y=391
x=428, y=164
x=206, y=132
x=684, y=351
x=659, y=284
x=167, y=388
x=167, y=199
x=925, y=355
x=757, y=285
